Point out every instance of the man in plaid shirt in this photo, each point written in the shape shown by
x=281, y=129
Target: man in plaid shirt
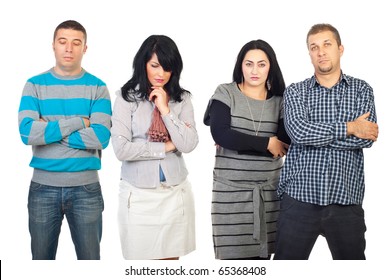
x=330, y=118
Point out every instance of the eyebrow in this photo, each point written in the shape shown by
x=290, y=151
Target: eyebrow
x=63, y=38
x=153, y=61
x=262, y=60
x=325, y=41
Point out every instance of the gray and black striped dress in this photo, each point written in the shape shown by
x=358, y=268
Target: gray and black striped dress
x=245, y=205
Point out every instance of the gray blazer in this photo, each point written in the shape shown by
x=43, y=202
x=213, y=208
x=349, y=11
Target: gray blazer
x=140, y=158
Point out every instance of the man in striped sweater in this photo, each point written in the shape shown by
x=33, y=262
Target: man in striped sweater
x=65, y=115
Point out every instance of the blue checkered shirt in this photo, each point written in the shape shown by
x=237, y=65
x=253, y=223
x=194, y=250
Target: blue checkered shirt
x=323, y=165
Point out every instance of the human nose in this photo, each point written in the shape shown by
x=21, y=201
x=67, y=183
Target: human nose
x=69, y=47
x=320, y=51
x=160, y=72
x=254, y=70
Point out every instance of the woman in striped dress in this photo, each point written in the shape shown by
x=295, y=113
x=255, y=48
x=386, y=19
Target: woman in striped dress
x=246, y=121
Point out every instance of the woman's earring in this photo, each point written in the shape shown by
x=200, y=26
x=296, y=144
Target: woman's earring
x=268, y=85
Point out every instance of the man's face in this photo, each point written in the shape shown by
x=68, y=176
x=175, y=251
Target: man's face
x=69, y=47
x=324, y=52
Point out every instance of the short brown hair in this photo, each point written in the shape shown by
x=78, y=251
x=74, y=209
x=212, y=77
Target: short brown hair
x=317, y=28
x=70, y=24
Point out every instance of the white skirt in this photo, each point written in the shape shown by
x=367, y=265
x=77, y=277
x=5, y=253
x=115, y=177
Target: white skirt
x=156, y=223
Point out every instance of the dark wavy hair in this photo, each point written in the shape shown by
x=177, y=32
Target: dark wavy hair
x=275, y=80
x=139, y=87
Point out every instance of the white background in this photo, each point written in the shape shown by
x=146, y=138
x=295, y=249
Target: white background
x=209, y=35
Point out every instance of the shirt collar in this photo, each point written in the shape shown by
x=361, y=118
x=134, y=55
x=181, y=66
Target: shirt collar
x=314, y=82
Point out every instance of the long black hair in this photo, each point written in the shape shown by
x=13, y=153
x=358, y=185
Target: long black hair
x=139, y=87
x=275, y=81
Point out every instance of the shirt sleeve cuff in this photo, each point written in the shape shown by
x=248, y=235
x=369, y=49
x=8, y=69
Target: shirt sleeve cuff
x=340, y=130
x=157, y=149
x=83, y=124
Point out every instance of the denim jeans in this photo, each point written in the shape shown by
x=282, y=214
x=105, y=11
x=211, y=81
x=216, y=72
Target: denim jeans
x=299, y=225
x=82, y=206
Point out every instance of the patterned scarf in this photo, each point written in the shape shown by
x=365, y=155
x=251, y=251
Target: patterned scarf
x=157, y=131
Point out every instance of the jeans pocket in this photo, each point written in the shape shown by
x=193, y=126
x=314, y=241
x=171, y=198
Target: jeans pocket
x=92, y=195
x=94, y=187
x=35, y=186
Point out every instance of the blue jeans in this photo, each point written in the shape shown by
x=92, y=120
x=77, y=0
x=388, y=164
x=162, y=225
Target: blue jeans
x=82, y=206
x=299, y=225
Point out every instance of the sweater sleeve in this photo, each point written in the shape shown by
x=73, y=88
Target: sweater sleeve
x=36, y=131
x=96, y=136
x=281, y=132
x=223, y=135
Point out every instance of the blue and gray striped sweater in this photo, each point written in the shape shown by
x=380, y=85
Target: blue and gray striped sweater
x=65, y=153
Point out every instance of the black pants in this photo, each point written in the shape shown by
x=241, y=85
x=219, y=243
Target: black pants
x=299, y=225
